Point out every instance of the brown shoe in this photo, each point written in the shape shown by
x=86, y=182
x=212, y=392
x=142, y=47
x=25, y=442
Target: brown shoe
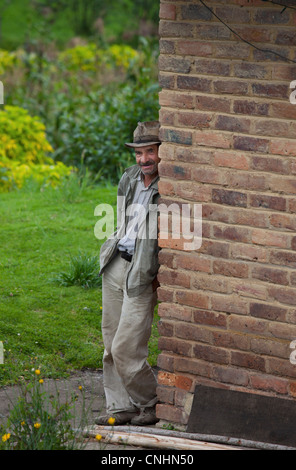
x=122, y=417
x=146, y=416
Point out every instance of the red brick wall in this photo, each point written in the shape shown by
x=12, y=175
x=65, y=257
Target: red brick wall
x=228, y=309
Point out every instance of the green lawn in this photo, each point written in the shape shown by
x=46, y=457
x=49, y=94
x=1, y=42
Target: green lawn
x=43, y=324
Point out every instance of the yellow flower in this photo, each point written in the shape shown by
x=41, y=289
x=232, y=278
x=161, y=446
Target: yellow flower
x=98, y=437
x=23, y=423
x=80, y=387
x=37, y=425
x=5, y=437
x=41, y=381
x=111, y=421
x=37, y=372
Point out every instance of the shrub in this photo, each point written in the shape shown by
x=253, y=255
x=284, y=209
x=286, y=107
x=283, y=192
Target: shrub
x=24, y=151
x=83, y=271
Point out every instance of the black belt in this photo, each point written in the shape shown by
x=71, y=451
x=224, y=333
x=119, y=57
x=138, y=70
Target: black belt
x=125, y=255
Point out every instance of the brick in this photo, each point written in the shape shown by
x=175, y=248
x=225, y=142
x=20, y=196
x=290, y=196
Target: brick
x=208, y=175
x=233, y=51
x=179, y=312
x=183, y=382
x=272, y=128
x=166, y=188
x=271, y=16
x=212, y=139
x=268, y=312
x=269, y=384
x=283, y=221
x=281, y=367
x=269, y=238
x=249, y=288
x=269, y=347
x=285, y=258
x=170, y=169
x=229, y=304
x=231, y=340
x=194, y=48
x=193, y=299
x=276, y=276
x=237, y=234
x=233, y=14
x=249, y=252
x=232, y=198
x=166, y=46
x=284, y=72
x=192, y=191
x=282, y=147
x=247, y=325
x=230, y=87
x=192, y=262
x=249, y=181
x=171, y=414
x=167, y=11
x=195, y=12
x=209, y=103
x=164, y=294
x=211, y=67
x=212, y=31
x=250, y=107
x=173, y=278
x=165, y=394
x=270, y=90
x=169, y=63
x=167, y=118
x=194, y=155
x=286, y=37
x=284, y=295
x=193, y=366
x=166, y=81
x=215, y=248
x=191, y=332
x=248, y=360
x=175, y=346
x=166, y=328
x=175, y=99
x=166, y=378
x=270, y=164
x=212, y=283
x=254, y=33
x=249, y=70
x=165, y=361
x=211, y=353
x=231, y=159
x=251, y=144
x=268, y=202
x=207, y=317
x=196, y=120
x=231, y=268
x=192, y=83
x=232, y=124
x=231, y=375
x=174, y=29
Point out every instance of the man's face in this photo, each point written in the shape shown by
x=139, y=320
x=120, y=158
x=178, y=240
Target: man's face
x=148, y=160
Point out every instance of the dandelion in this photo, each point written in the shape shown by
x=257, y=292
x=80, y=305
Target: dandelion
x=23, y=423
x=37, y=425
x=80, y=387
x=5, y=437
x=41, y=381
x=37, y=372
x=98, y=437
x=111, y=421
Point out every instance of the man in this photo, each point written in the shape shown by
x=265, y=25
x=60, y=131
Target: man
x=129, y=265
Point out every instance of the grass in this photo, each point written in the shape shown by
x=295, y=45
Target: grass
x=43, y=322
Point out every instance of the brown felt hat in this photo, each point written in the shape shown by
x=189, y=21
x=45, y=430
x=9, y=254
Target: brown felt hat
x=146, y=133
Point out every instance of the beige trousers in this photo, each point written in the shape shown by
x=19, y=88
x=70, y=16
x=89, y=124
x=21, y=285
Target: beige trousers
x=129, y=381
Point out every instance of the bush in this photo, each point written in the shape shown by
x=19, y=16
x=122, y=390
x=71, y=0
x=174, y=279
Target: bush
x=24, y=151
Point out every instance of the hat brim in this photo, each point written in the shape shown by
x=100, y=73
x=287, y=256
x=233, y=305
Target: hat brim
x=143, y=144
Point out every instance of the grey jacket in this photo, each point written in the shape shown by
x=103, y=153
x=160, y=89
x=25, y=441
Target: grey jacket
x=144, y=265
